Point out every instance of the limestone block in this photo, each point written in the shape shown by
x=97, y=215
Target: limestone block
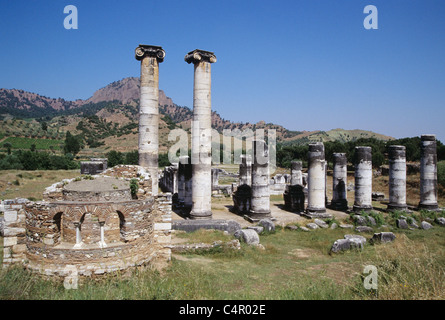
x=162, y=226
x=267, y=224
x=321, y=223
x=9, y=241
x=383, y=237
x=249, y=236
x=10, y=216
x=425, y=225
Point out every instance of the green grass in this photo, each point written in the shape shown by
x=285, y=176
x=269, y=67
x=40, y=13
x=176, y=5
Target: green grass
x=294, y=265
x=25, y=143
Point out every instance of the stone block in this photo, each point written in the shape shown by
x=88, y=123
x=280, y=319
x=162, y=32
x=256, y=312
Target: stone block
x=425, y=225
x=249, y=236
x=10, y=216
x=383, y=237
x=162, y=226
x=364, y=229
x=267, y=224
x=9, y=241
x=440, y=221
x=312, y=226
x=321, y=223
x=402, y=224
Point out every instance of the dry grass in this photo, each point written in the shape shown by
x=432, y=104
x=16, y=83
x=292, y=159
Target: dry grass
x=30, y=184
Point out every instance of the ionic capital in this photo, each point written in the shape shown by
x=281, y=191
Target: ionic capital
x=149, y=51
x=197, y=56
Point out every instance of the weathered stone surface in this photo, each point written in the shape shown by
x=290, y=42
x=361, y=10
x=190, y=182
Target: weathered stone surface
x=350, y=242
x=360, y=220
x=304, y=229
x=312, y=226
x=355, y=236
x=291, y=227
x=346, y=226
x=425, y=225
x=267, y=224
x=364, y=229
x=441, y=221
x=258, y=229
x=334, y=226
x=230, y=226
x=321, y=223
x=371, y=221
x=383, y=237
x=249, y=236
x=402, y=224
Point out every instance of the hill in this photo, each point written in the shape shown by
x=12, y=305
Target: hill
x=108, y=120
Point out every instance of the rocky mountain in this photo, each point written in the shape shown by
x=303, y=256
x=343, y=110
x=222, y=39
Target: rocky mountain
x=112, y=111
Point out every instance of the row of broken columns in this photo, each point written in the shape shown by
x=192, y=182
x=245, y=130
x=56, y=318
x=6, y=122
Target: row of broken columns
x=316, y=192
x=148, y=145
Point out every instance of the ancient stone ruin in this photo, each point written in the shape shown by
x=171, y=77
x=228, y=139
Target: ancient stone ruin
x=93, y=226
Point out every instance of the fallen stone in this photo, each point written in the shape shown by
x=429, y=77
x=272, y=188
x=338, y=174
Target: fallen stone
x=361, y=221
x=321, y=223
x=267, y=224
x=347, y=244
x=304, y=229
x=355, y=236
x=425, y=225
x=258, y=229
x=230, y=226
x=334, y=226
x=371, y=221
x=440, y=221
x=402, y=224
x=383, y=237
x=291, y=227
x=346, y=226
x=312, y=226
x=249, y=236
x=364, y=229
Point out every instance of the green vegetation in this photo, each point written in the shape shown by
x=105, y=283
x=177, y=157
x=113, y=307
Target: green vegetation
x=28, y=160
x=26, y=143
x=294, y=265
x=288, y=152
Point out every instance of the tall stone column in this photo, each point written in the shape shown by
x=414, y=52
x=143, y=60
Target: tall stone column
x=316, y=179
x=245, y=170
x=397, y=177
x=296, y=177
x=201, y=134
x=260, y=203
x=363, y=179
x=150, y=57
x=339, y=182
x=428, y=172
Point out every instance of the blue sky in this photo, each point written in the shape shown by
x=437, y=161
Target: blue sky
x=306, y=65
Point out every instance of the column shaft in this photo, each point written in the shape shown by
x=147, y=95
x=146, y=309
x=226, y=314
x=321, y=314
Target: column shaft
x=428, y=172
x=397, y=178
x=363, y=179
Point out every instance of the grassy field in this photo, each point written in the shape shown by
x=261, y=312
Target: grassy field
x=26, y=143
x=294, y=265
x=30, y=184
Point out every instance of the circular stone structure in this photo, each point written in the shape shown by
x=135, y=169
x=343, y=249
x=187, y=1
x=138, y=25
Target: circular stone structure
x=92, y=225
x=99, y=189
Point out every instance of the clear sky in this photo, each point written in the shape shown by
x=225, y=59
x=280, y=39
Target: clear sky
x=306, y=65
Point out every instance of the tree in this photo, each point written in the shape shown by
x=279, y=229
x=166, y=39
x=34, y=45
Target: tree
x=8, y=147
x=33, y=148
x=44, y=126
x=115, y=158
x=72, y=144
